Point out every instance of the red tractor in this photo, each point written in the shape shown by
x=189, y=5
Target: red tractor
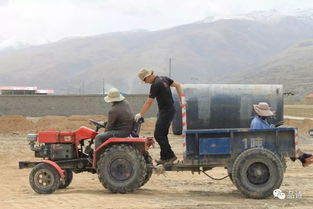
x=122, y=164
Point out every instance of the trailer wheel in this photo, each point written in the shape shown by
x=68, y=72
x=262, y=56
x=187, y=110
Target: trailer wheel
x=257, y=173
x=44, y=179
x=149, y=164
x=230, y=167
x=230, y=175
x=67, y=179
x=284, y=163
x=121, y=168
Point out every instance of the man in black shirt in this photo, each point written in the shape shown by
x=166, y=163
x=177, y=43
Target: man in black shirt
x=160, y=89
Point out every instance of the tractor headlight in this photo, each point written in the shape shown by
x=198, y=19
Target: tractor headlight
x=32, y=137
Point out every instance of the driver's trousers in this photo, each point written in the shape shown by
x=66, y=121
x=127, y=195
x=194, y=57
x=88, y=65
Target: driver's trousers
x=100, y=138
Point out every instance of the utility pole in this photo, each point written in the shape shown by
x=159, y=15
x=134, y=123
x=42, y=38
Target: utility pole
x=169, y=67
x=83, y=87
x=103, y=90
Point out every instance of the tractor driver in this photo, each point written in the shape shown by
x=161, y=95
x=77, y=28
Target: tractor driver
x=263, y=111
x=120, y=118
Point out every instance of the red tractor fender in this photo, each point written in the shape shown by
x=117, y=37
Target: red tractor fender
x=56, y=166
x=145, y=141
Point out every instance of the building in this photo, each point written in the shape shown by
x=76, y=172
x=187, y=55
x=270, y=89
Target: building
x=23, y=90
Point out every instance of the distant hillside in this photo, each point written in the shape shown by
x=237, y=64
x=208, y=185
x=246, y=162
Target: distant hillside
x=202, y=52
x=293, y=68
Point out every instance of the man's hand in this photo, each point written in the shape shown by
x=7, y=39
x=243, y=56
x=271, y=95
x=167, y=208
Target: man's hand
x=103, y=123
x=137, y=117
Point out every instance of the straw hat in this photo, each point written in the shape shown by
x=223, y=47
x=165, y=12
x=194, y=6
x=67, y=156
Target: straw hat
x=144, y=72
x=114, y=96
x=263, y=109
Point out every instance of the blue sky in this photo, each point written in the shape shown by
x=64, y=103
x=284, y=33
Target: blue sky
x=41, y=21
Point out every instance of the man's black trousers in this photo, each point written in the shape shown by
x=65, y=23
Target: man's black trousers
x=162, y=126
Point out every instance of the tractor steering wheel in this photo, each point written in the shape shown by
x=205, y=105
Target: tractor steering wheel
x=98, y=124
x=279, y=123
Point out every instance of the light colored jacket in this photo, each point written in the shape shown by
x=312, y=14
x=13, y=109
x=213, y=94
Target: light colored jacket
x=259, y=123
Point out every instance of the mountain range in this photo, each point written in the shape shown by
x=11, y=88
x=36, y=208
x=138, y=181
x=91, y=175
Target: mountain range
x=293, y=68
x=261, y=47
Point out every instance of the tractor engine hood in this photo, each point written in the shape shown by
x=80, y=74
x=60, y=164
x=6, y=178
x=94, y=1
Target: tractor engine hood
x=85, y=133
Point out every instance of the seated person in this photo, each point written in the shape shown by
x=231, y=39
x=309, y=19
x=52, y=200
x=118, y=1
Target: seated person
x=263, y=111
x=120, y=118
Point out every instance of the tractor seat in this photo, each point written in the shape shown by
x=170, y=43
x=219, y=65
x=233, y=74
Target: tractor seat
x=134, y=134
x=136, y=128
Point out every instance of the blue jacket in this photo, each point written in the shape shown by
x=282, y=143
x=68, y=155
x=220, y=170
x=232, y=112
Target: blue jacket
x=259, y=123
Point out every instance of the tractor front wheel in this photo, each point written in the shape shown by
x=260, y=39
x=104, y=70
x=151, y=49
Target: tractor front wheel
x=121, y=168
x=44, y=179
x=68, y=177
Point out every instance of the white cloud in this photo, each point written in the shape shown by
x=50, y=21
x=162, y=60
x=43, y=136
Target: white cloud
x=4, y=2
x=38, y=21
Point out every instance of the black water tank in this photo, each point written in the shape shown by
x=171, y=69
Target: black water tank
x=214, y=106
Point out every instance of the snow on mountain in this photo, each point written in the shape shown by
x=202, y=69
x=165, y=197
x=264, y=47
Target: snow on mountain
x=12, y=44
x=267, y=17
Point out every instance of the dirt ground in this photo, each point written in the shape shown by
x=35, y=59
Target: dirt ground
x=172, y=190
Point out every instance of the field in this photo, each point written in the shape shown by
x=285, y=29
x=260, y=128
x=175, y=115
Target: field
x=299, y=110
x=171, y=190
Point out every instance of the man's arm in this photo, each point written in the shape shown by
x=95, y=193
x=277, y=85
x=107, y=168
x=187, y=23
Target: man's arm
x=146, y=106
x=111, y=120
x=178, y=89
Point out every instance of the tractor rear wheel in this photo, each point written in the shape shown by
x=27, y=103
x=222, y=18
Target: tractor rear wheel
x=44, y=179
x=121, y=168
x=67, y=179
x=149, y=164
x=257, y=173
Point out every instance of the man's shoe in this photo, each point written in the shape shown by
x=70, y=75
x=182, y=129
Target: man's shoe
x=167, y=161
x=308, y=161
x=158, y=162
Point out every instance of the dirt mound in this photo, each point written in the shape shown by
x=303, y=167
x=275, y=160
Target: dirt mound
x=15, y=124
x=21, y=125
x=66, y=123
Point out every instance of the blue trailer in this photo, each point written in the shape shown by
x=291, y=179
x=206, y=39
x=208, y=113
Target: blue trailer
x=214, y=120
x=254, y=158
